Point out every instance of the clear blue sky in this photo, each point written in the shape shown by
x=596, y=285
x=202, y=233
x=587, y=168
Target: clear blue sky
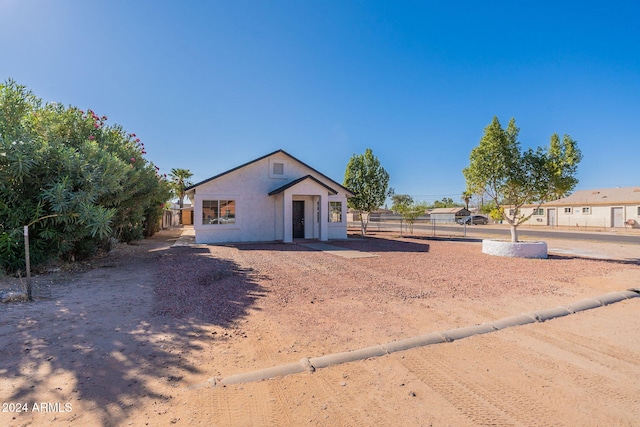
x=208, y=85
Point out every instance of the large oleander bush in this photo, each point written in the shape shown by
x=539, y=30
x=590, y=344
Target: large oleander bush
x=77, y=182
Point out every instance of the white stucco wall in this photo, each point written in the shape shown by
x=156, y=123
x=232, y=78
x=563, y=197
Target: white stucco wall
x=598, y=216
x=260, y=217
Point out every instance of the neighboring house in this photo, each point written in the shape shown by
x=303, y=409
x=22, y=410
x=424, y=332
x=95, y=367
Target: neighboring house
x=171, y=217
x=274, y=197
x=187, y=214
x=604, y=208
x=447, y=214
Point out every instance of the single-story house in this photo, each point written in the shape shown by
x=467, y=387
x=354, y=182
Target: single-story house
x=448, y=214
x=603, y=208
x=274, y=197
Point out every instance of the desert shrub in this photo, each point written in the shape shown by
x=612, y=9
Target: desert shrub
x=73, y=179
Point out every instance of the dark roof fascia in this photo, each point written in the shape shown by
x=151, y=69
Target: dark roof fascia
x=264, y=157
x=299, y=180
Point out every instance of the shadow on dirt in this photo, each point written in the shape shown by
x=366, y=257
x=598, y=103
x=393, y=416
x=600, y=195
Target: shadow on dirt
x=366, y=244
x=112, y=337
x=192, y=284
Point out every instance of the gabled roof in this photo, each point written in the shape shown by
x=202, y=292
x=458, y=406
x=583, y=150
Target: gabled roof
x=299, y=180
x=605, y=196
x=349, y=193
x=447, y=210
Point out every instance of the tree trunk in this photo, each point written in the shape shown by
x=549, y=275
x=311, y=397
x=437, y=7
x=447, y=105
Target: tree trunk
x=364, y=222
x=514, y=233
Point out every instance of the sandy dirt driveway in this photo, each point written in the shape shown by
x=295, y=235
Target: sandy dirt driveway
x=135, y=339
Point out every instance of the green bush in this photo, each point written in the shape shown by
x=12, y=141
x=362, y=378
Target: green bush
x=75, y=181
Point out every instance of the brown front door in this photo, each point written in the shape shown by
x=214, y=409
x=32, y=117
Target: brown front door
x=298, y=219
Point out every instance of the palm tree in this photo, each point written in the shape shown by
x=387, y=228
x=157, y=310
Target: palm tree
x=466, y=196
x=180, y=181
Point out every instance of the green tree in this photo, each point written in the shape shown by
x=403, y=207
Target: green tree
x=400, y=202
x=446, y=202
x=408, y=209
x=513, y=178
x=75, y=181
x=180, y=181
x=369, y=181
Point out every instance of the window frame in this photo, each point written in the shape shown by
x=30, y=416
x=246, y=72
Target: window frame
x=331, y=212
x=538, y=212
x=217, y=220
x=568, y=210
x=585, y=210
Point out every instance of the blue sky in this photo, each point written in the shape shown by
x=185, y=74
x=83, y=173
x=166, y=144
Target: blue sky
x=209, y=85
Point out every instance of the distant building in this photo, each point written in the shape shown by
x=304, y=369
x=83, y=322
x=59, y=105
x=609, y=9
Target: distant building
x=603, y=208
x=171, y=217
x=439, y=215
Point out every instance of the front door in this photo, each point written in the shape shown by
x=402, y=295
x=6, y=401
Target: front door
x=617, y=217
x=298, y=219
x=551, y=217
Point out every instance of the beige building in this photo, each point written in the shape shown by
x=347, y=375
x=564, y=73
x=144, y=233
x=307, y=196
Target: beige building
x=604, y=208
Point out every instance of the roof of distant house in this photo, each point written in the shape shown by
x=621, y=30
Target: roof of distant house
x=447, y=210
x=605, y=196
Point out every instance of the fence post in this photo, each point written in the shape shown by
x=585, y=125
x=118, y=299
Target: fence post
x=27, y=260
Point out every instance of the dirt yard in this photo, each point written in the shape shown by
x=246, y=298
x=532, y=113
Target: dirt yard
x=134, y=340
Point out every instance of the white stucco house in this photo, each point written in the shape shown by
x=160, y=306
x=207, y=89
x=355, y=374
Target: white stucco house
x=602, y=208
x=273, y=198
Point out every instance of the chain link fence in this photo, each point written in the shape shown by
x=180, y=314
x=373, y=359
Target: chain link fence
x=425, y=225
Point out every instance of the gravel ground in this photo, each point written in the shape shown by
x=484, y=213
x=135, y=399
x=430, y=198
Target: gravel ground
x=149, y=321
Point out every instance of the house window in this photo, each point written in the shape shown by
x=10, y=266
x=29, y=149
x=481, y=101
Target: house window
x=335, y=211
x=538, y=211
x=638, y=211
x=278, y=168
x=568, y=211
x=218, y=212
x=586, y=210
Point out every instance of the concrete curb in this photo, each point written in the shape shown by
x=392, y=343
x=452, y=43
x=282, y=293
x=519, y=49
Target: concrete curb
x=311, y=364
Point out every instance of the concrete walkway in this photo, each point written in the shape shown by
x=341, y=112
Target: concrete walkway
x=341, y=252
x=188, y=238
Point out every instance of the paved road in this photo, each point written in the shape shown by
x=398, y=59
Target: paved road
x=501, y=230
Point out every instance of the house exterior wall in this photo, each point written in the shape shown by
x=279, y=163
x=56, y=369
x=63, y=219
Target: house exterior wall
x=260, y=217
x=442, y=218
x=585, y=215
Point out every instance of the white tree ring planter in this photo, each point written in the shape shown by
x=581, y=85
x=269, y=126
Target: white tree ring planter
x=514, y=249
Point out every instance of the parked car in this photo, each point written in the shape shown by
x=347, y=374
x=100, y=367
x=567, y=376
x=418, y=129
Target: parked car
x=474, y=219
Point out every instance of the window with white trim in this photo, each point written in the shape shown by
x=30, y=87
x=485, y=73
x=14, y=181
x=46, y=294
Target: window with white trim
x=277, y=169
x=638, y=211
x=335, y=211
x=568, y=211
x=586, y=210
x=218, y=212
x=538, y=211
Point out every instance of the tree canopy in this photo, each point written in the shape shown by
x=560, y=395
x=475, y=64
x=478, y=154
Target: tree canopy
x=73, y=179
x=512, y=178
x=369, y=181
x=408, y=209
